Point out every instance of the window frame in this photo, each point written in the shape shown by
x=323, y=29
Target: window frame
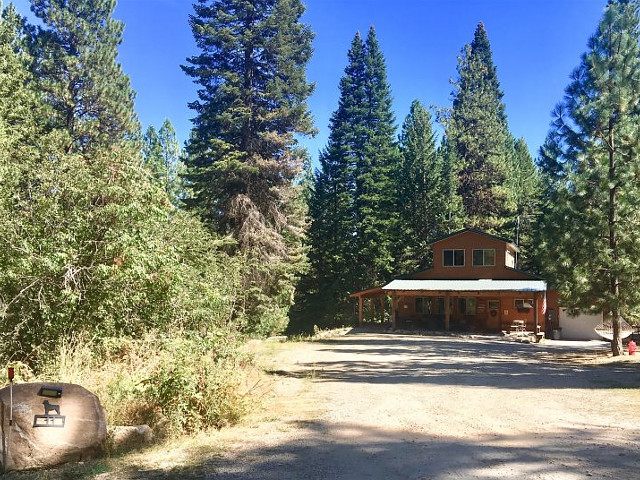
x=466, y=301
x=453, y=257
x=484, y=264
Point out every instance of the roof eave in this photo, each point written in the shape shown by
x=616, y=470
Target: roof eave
x=479, y=232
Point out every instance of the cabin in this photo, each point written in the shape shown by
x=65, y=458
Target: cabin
x=473, y=285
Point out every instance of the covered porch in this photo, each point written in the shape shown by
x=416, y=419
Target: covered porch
x=471, y=305
x=464, y=305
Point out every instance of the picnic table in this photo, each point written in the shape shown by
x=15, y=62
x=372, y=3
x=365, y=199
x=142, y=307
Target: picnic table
x=519, y=327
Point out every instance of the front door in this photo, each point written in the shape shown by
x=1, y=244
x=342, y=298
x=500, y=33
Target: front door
x=493, y=317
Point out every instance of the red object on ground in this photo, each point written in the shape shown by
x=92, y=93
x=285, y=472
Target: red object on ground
x=632, y=347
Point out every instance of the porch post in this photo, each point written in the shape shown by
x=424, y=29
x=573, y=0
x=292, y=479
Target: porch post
x=360, y=301
x=382, y=308
x=535, y=313
x=394, y=303
x=372, y=306
x=447, y=313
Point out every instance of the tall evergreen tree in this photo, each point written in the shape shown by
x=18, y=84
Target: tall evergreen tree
x=454, y=209
x=478, y=133
x=242, y=157
x=526, y=188
x=421, y=185
x=376, y=167
x=354, y=203
x=162, y=154
x=19, y=107
x=152, y=152
x=78, y=72
x=322, y=298
x=20, y=131
x=89, y=243
x=591, y=223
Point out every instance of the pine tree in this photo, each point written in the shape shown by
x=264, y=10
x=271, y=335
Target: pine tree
x=591, y=222
x=19, y=108
x=526, y=188
x=454, y=209
x=421, y=188
x=152, y=152
x=376, y=167
x=19, y=133
x=354, y=201
x=478, y=133
x=242, y=158
x=162, y=154
x=322, y=298
x=77, y=69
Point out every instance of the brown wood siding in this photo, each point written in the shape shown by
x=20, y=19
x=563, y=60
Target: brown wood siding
x=469, y=241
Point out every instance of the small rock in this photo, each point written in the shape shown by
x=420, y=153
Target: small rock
x=277, y=339
x=123, y=438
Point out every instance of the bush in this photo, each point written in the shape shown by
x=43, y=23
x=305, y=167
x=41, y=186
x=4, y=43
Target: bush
x=177, y=384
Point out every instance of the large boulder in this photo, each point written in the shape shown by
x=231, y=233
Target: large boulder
x=53, y=423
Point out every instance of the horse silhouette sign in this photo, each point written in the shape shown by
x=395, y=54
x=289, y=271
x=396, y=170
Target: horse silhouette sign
x=51, y=417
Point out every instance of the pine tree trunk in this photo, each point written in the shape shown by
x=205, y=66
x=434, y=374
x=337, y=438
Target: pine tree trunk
x=616, y=342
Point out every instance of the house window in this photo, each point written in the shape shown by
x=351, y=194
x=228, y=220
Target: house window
x=484, y=257
x=509, y=260
x=524, y=305
x=431, y=305
x=468, y=306
x=453, y=258
x=422, y=305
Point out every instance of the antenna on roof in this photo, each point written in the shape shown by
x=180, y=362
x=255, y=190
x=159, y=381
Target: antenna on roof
x=515, y=263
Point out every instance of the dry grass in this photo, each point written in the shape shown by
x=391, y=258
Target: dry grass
x=180, y=458
x=275, y=401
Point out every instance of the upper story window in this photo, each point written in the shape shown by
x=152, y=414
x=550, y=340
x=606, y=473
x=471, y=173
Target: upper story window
x=453, y=257
x=484, y=257
x=509, y=260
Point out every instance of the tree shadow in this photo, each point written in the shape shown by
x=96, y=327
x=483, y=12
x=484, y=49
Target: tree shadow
x=326, y=449
x=456, y=361
x=345, y=451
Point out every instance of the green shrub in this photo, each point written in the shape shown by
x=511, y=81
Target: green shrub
x=177, y=384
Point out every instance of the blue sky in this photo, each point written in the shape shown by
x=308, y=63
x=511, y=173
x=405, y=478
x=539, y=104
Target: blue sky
x=535, y=43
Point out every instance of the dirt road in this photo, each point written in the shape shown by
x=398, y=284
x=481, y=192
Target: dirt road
x=375, y=406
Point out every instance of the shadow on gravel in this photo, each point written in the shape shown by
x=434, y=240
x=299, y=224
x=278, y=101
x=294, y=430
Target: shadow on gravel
x=458, y=361
x=355, y=452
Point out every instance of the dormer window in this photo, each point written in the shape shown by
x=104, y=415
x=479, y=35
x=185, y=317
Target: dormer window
x=484, y=257
x=453, y=257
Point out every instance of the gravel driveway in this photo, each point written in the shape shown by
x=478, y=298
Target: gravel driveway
x=376, y=406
